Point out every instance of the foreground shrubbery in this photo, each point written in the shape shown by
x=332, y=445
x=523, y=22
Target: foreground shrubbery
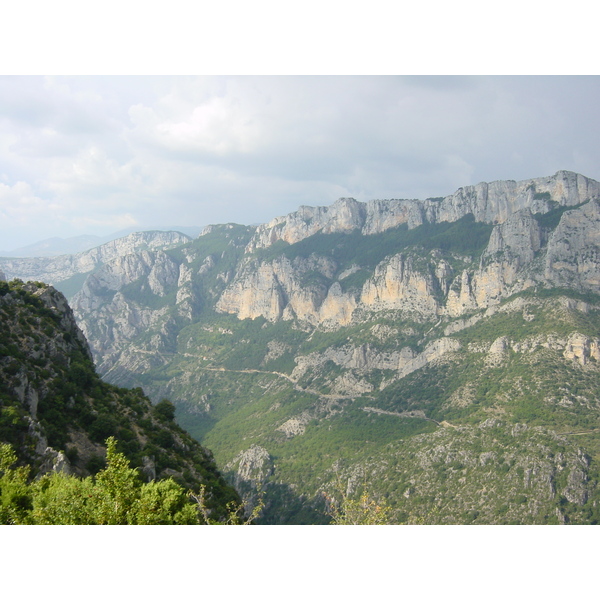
x=115, y=496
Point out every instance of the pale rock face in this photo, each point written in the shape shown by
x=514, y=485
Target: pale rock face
x=582, y=349
x=499, y=346
x=573, y=256
x=296, y=425
x=207, y=265
x=520, y=254
x=123, y=270
x=164, y=273
x=513, y=244
x=385, y=214
x=112, y=320
x=576, y=491
x=185, y=277
x=54, y=461
x=348, y=385
x=498, y=351
x=495, y=202
x=344, y=215
x=276, y=349
x=497, y=281
x=520, y=235
x=433, y=351
x=276, y=290
x=116, y=321
x=461, y=298
x=364, y=358
x=187, y=300
x=337, y=308
x=361, y=358
x=35, y=431
x=27, y=394
x=253, y=465
x=512, y=247
x=53, y=270
x=397, y=285
x=258, y=294
x=293, y=289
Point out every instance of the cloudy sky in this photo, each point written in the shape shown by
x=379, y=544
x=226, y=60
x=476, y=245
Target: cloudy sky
x=94, y=154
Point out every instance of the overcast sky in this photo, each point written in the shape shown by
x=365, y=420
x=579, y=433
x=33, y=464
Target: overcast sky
x=98, y=154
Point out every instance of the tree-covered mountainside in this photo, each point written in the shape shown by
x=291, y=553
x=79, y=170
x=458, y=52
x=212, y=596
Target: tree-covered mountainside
x=441, y=357
x=56, y=414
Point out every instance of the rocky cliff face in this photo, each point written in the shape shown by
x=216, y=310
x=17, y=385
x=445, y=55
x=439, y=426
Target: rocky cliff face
x=524, y=250
x=540, y=232
x=488, y=202
x=278, y=289
x=495, y=202
x=53, y=270
x=120, y=317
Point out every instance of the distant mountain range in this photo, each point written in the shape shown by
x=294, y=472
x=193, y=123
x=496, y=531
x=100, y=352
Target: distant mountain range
x=56, y=246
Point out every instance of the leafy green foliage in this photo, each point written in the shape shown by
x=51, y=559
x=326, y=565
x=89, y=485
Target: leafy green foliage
x=115, y=496
x=360, y=511
x=165, y=410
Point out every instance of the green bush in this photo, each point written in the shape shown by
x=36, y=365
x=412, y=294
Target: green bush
x=165, y=410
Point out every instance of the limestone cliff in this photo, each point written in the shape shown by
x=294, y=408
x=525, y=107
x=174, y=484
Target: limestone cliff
x=539, y=232
x=115, y=295
x=53, y=270
x=488, y=202
x=524, y=250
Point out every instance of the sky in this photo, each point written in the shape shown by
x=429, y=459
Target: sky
x=96, y=154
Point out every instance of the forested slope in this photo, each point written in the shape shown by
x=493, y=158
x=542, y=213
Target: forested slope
x=56, y=415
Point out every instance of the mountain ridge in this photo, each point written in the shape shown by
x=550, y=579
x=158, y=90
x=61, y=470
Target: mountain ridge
x=488, y=202
x=428, y=349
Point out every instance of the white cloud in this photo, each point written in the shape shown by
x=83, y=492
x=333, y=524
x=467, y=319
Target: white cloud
x=19, y=204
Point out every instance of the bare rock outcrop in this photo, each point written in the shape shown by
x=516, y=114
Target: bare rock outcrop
x=253, y=466
x=53, y=270
x=573, y=255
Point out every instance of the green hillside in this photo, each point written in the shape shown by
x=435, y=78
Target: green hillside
x=56, y=415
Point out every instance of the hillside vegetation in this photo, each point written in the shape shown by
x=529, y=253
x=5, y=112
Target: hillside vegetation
x=55, y=417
